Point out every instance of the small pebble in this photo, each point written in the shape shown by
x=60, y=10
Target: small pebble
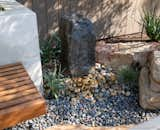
x=95, y=104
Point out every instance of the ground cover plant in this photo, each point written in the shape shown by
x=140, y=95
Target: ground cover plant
x=50, y=49
x=52, y=71
x=128, y=75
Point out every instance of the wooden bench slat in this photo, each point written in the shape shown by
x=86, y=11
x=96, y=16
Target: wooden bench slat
x=18, y=95
x=14, y=84
x=11, y=65
x=11, y=69
x=9, y=117
x=12, y=77
x=19, y=98
x=19, y=101
x=21, y=106
x=16, y=90
x=8, y=73
x=20, y=77
x=14, y=81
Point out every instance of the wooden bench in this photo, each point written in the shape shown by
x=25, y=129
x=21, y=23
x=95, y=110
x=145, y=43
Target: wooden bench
x=19, y=98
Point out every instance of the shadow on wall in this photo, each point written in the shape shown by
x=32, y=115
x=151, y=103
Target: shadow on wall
x=27, y=3
x=38, y=6
x=152, y=5
x=108, y=16
x=47, y=13
x=53, y=13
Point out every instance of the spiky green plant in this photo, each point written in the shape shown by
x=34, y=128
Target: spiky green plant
x=151, y=23
x=128, y=75
x=54, y=81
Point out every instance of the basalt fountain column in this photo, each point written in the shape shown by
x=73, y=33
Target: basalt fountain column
x=78, y=44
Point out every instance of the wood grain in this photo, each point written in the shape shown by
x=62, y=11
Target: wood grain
x=19, y=98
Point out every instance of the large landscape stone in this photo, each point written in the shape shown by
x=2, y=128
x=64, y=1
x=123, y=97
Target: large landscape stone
x=155, y=65
x=19, y=39
x=108, y=54
x=78, y=44
x=149, y=82
x=155, y=86
x=120, y=54
x=146, y=55
x=148, y=99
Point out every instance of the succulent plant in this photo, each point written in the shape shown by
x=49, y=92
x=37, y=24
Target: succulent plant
x=151, y=23
x=54, y=81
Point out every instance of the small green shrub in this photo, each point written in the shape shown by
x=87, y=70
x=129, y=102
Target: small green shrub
x=151, y=23
x=128, y=75
x=50, y=49
x=54, y=81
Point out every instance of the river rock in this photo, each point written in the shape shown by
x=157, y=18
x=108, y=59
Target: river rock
x=78, y=44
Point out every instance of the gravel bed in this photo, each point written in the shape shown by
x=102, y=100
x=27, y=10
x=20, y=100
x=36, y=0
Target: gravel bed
x=116, y=105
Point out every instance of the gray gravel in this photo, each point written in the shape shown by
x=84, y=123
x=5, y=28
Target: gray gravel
x=103, y=109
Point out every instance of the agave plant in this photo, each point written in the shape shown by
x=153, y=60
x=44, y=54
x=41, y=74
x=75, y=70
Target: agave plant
x=151, y=23
x=54, y=81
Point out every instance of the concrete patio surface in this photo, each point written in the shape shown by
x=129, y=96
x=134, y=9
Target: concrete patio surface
x=81, y=127
x=153, y=124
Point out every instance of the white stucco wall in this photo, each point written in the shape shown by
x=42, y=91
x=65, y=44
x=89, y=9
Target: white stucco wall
x=19, y=39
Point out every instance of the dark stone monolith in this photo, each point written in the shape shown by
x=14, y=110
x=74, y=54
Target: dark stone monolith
x=78, y=44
